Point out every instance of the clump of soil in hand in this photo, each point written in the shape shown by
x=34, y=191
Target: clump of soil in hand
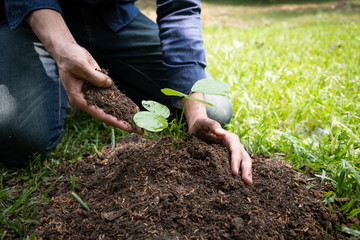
x=111, y=101
x=145, y=189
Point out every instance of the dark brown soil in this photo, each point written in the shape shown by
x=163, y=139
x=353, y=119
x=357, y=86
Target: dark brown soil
x=145, y=189
x=111, y=100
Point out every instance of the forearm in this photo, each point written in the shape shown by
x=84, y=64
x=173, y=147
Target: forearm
x=17, y=11
x=193, y=109
x=50, y=27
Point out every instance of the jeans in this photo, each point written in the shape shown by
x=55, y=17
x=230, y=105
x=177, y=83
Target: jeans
x=33, y=101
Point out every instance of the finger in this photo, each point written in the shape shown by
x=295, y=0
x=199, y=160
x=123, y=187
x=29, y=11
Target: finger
x=99, y=114
x=138, y=130
x=239, y=157
x=234, y=146
x=219, y=131
x=212, y=126
x=246, y=165
x=235, y=160
x=97, y=78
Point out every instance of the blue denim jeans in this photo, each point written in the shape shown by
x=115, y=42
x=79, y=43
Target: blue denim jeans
x=33, y=101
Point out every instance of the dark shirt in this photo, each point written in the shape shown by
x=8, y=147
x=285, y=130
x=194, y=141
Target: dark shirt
x=178, y=20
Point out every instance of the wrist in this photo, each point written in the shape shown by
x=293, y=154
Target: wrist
x=194, y=110
x=51, y=29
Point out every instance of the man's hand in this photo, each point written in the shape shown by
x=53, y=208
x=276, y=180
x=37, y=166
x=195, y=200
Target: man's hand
x=75, y=64
x=210, y=130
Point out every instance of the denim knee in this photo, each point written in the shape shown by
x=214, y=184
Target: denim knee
x=222, y=110
x=21, y=144
x=32, y=99
x=25, y=131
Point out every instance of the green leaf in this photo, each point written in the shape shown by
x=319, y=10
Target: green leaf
x=354, y=212
x=171, y=92
x=32, y=221
x=201, y=101
x=352, y=169
x=329, y=197
x=113, y=140
x=51, y=186
x=72, y=179
x=75, y=159
x=150, y=121
x=31, y=237
x=157, y=108
x=78, y=198
x=347, y=206
x=328, y=194
x=26, y=194
x=211, y=87
x=357, y=227
x=96, y=151
x=347, y=230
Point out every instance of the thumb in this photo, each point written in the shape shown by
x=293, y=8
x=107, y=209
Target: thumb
x=220, y=132
x=97, y=78
x=213, y=126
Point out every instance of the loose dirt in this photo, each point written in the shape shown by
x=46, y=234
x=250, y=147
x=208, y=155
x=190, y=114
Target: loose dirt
x=111, y=101
x=145, y=189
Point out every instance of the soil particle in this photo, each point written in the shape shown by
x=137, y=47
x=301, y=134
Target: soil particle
x=145, y=189
x=237, y=223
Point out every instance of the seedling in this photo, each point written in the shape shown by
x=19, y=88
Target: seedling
x=154, y=119
x=77, y=197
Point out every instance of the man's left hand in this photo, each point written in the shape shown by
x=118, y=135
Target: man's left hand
x=210, y=130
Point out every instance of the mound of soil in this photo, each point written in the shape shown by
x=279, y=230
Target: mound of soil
x=145, y=189
x=111, y=101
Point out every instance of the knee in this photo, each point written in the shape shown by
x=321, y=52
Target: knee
x=222, y=110
x=19, y=143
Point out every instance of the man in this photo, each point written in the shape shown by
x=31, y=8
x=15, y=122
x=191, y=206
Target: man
x=48, y=50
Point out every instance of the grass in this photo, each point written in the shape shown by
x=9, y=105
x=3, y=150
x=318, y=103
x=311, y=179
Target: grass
x=295, y=85
x=295, y=89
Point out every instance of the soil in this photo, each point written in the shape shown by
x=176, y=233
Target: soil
x=146, y=189
x=111, y=101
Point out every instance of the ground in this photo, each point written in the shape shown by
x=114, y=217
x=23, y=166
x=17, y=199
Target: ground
x=147, y=189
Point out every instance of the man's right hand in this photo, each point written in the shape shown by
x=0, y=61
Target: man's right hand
x=75, y=63
x=76, y=66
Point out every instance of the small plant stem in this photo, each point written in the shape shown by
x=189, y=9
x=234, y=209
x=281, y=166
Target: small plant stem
x=74, y=194
x=172, y=137
x=96, y=151
x=179, y=127
x=113, y=144
x=72, y=179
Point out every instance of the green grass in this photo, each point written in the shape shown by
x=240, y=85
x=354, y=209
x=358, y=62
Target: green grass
x=295, y=89
x=294, y=84
x=296, y=92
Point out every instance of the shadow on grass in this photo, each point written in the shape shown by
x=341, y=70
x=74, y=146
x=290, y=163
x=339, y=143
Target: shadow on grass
x=294, y=12
x=222, y=12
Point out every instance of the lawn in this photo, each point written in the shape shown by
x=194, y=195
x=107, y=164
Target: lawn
x=294, y=73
